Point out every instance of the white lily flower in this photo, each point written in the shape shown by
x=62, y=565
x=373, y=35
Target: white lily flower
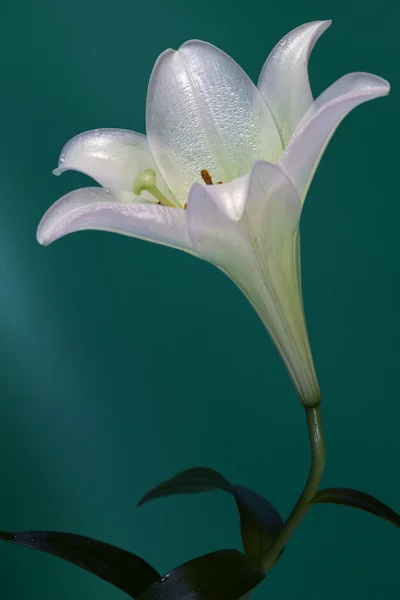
x=208, y=123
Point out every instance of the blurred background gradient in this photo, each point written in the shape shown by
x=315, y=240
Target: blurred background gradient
x=123, y=362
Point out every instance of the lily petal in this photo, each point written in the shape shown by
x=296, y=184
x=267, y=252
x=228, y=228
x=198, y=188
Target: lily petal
x=112, y=157
x=257, y=246
x=306, y=147
x=203, y=112
x=97, y=208
x=284, y=82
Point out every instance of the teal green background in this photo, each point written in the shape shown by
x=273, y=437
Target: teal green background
x=123, y=362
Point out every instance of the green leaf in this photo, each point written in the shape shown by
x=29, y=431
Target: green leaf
x=126, y=571
x=222, y=575
x=260, y=522
x=357, y=499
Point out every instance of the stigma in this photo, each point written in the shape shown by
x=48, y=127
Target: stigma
x=146, y=181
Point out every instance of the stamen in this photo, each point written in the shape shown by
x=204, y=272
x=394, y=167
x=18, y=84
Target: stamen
x=206, y=177
x=146, y=181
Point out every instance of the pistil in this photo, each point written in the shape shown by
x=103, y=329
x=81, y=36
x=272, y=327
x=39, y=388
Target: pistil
x=146, y=181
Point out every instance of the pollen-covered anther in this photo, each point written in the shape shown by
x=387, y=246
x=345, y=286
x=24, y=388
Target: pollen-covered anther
x=206, y=177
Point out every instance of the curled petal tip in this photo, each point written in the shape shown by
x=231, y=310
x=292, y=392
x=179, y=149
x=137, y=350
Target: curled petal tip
x=321, y=26
x=40, y=237
x=374, y=83
x=386, y=86
x=377, y=85
x=42, y=233
x=58, y=171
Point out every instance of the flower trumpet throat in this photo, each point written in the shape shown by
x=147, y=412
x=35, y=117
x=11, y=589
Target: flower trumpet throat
x=207, y=122
x=146, y=181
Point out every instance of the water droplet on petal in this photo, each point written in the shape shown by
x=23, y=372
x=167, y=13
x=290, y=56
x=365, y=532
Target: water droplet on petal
x=165, y=578
x=282, y=43
x=61, y=159
x=96, y=132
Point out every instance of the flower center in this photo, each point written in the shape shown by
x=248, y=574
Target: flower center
x=146, y=181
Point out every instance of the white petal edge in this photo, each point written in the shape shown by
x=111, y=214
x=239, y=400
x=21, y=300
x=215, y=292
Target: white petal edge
x=203, y=112
x=112, y=157
x=284, y=82
x=96, y=208
x=257, y=246
x=306, y=147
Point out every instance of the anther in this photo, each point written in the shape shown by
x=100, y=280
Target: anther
x=205, y=175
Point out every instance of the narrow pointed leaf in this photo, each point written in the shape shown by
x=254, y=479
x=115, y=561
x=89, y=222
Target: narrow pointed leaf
x=222, y=575
x=124, y=570
x=357, y=499
x=260, y=522
x=190, y=481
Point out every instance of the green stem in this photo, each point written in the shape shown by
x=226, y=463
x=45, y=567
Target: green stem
x=315, y=433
